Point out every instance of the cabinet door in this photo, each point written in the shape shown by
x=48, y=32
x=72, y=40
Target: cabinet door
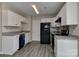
x=7, y=45
x=63, y=15
x=26, y=38
x=67, y=48
x=4, y=17
x=22, y=19
x=18, y=20
x=28, y=25
x=72, y=13
x=69, y=14
x=17, y=23
x=16, y=42
x=11, y=18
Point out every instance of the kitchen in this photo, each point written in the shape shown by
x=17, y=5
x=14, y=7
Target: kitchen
x=64, y=37
x=59, y=31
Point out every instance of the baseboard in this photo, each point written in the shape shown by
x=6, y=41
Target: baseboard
x=8, y=53
x=35, y=40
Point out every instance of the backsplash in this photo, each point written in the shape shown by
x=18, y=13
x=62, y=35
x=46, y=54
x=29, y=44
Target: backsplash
x=74, y=30
x=63, y=30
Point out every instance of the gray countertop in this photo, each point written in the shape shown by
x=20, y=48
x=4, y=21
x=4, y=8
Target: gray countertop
x=12, y=33
x=69, y=37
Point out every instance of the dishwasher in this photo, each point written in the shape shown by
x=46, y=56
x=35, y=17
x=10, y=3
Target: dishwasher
x=21, y=41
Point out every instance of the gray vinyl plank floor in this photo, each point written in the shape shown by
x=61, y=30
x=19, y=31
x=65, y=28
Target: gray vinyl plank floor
x=33, y=49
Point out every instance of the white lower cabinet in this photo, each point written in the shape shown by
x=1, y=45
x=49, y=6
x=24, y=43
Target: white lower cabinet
x=10, y=44
x=66, y=48
x=27, y=38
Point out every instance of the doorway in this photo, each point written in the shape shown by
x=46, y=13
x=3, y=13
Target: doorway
x=45, y=33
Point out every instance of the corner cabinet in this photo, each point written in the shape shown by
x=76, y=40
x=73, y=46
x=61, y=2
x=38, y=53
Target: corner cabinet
x=10, y=18
x=69, y=14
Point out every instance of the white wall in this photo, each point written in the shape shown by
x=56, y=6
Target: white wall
x=36, y=27
x=0, y=30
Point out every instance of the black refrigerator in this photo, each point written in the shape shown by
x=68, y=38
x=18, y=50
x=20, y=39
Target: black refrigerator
x=45, y=33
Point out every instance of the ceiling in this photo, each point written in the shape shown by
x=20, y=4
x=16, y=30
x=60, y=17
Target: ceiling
x=44, y=8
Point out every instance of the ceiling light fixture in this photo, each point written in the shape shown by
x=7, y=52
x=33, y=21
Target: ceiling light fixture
x=34, y=7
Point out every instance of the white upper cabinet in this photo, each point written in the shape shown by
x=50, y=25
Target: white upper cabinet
x=53, y=22
x=72, y=13
x=12, y=21
x=63, y=15
x=10, y=18
x=26, y=26
x=69, y=14
x=22, y=19
x=45, y=20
